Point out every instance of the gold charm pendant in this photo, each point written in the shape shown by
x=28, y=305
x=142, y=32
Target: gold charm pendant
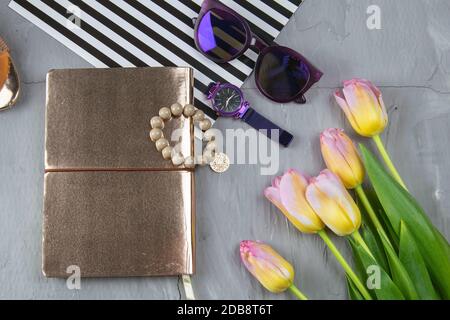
x=220, y=163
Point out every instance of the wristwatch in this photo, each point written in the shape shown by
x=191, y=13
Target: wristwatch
x=228, y=101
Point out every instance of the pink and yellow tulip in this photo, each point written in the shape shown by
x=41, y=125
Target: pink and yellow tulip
x=341, y=157
x=363, y=105
x=267, y=266
x=287, y=193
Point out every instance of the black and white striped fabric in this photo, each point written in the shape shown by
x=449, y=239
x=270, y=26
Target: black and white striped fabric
x=136, y=33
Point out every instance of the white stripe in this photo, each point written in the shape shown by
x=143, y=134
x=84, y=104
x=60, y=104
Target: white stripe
x=152, y=43
x=205, y=80
x=126, y=45
x=58, y=36
x=89, y=57
x=249, y=16
x=269, y=11
x=81, y=33
x=201, y=97
x=113, y=36
x=187, y=30
x=194, y=53
x=192, y=14
x=288, y=5
x=252, y=55
x=182, y=8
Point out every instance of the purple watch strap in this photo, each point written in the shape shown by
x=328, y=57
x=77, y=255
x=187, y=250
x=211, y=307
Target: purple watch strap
x=259, y=122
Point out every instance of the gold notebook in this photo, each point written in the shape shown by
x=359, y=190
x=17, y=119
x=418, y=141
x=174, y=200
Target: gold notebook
x=112, y=205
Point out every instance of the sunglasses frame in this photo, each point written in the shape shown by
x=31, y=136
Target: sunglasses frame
x=253, y=41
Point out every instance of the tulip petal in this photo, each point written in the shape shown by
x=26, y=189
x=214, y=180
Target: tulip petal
x=292, y=193
x=378, y=94
x=341, y=157
x=273, y=195
x=276, y=182
x=366, y=82
x=373, y=97
x=359, y=95
x=330, y=213
x=331, y=201
x=333, y=187
x=384, y=115
x=340, y=99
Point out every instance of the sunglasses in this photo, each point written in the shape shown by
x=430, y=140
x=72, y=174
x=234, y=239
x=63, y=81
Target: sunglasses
x=281, y=74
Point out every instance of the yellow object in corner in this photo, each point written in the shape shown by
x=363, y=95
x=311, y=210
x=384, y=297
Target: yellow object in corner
x=4, y=67
x=9, y=79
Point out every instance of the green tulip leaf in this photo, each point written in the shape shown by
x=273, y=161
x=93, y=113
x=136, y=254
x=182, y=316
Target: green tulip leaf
x=414, y=264
x=378, y=208
x=353, y=292
x=399, y=205
x=399, y=274
x=375, y=246
x=359, y=270
x=384, y=288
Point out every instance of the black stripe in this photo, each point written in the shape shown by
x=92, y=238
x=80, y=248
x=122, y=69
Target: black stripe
x=180, y=35
x=188, y=21
x=141, y=45
x=260, y=14
x=176, y=13
x=296, y=2
x=96, y=34
x=278, y=7
x=249, y=62
x=204, y=89
x=67, y=33
x=162, y=41
x=205, y=108
x=123, y=33
x=192, y=5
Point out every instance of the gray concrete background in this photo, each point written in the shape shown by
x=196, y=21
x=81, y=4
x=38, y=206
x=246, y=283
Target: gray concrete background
x=409, y=58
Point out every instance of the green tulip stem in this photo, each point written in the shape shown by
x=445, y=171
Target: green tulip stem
x=366, y=203
x=359, y=240
x=388, y=161
x=351, y=274
x=297, y=292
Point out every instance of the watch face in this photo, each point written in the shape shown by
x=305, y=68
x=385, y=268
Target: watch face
x=227, y=100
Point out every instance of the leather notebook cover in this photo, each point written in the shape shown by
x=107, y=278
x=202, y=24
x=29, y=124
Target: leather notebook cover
x=112, y=205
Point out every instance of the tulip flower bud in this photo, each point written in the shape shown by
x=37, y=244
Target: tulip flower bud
x=333, y=204
x=287, y=193
x=363, y=105
x=341, y=157
x=266, y=265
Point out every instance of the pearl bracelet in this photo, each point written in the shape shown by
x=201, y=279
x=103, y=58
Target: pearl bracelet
x=163, y=145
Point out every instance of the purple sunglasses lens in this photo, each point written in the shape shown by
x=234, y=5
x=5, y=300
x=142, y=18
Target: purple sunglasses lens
x=282, y=75
x=221, y=35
